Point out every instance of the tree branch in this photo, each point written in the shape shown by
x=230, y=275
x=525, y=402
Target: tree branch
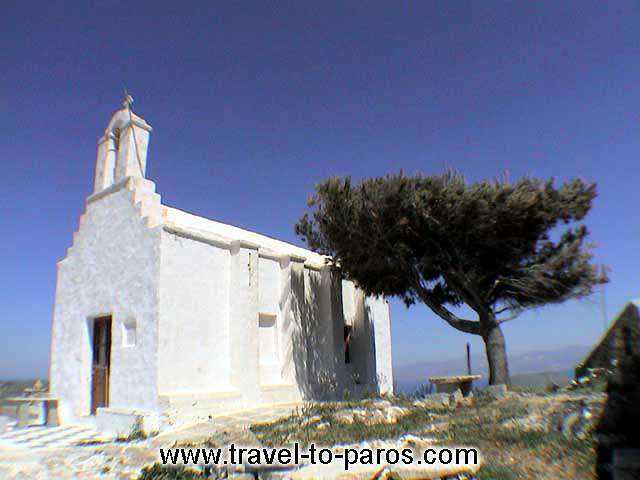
x=466, y=326
x=460, y=282
x=506, y=319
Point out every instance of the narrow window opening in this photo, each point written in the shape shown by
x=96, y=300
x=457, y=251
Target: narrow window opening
x=116, y=147
x=347, y=343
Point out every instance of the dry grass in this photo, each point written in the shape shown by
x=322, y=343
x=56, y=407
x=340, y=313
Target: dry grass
x=510, y=452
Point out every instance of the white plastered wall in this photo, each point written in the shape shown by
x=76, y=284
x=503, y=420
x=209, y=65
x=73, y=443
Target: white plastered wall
x=112, y=269
x=377, y=310
x=193, y=333
x=271, y=343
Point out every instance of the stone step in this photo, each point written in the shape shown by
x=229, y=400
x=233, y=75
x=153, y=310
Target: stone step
x=59, y=433
x=23, y=433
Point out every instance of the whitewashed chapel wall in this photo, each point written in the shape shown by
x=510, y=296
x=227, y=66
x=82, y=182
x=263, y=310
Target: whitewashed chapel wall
x=377, y=310
x=270, y=323
x=111, y=269
x=194, y=333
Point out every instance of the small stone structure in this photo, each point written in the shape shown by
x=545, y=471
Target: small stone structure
x=616, y=356
x=620, y=341
x=617, y=438
x=35, y=407
x=169, y=317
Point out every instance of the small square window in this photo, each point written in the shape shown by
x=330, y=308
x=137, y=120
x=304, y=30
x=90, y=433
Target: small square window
x=129, y=337
x=268, y=346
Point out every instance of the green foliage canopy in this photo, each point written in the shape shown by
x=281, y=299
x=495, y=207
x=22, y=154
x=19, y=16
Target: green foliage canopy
x=498, y=247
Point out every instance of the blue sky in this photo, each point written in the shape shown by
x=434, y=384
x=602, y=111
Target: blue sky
x=253, y=103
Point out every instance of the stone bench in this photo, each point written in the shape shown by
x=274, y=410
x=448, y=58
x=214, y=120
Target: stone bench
x=35, y=410
x=450, y=384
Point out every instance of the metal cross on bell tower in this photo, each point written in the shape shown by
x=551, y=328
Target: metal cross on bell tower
x=128, y=100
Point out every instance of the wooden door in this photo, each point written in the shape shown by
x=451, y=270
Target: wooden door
x=101, y=363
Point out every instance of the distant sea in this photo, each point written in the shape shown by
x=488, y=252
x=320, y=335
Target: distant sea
x=531, y=368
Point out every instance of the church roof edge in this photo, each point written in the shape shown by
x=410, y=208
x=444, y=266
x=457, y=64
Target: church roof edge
x=197, y=225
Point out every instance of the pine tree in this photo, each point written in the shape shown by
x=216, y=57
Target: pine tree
x=497, y=247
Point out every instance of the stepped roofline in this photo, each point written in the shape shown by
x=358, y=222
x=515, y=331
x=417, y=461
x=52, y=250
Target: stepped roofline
x=121, y=163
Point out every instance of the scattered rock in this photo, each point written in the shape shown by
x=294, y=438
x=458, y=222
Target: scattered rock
x=492, y=392
x=571, y=414
x=4, y=423
x=208, y=434
x=242, y=476
x=433, y=400
x=139, y=456
x=416, y=443
x=455, y=398
x=381, y=404
x=345, y=416
x=308, y=421
x=576, y=419
x=533, y=422
x=385, y=470
x=573, y=417
x=391, y=414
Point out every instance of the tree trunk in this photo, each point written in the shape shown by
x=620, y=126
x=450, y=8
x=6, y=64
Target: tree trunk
x=496, y=355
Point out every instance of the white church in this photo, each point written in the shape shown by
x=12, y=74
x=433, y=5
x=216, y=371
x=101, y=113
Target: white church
x=165, y=317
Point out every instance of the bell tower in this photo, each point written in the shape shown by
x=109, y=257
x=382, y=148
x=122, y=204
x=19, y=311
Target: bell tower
x=122, y=150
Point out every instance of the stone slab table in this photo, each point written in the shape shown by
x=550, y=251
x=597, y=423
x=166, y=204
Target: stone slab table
x=452, y=383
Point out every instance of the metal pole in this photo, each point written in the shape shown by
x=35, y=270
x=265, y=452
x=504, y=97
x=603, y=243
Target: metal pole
x=128, y=101
x=468, y=358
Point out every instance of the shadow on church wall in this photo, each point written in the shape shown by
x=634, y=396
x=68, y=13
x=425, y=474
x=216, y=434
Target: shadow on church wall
x=318, y=350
